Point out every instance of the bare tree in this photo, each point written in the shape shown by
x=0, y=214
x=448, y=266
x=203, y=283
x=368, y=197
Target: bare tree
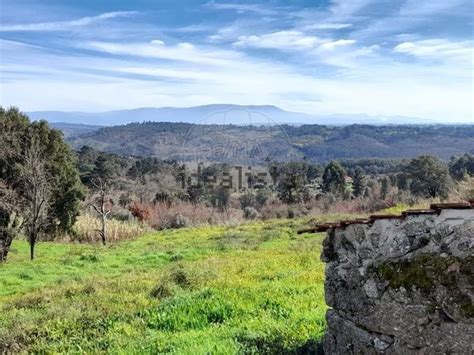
x=35, y=193
x=102, y=204
x=25, y=206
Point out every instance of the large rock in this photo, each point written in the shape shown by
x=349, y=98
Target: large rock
x=401, y=286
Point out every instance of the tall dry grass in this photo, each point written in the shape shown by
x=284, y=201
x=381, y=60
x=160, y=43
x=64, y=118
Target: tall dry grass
x=86, y=228
x=184, y=214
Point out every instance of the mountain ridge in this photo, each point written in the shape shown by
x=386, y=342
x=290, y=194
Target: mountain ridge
x=218, y=114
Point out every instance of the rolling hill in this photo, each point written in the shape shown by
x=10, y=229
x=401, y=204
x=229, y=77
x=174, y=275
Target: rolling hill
x=254, y=144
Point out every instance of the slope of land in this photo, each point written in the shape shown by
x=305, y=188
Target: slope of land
x=229, y=143
x=74, y=129
x=252, y=289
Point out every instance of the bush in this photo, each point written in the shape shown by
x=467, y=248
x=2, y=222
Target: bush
x=164, y=197
x=261, y=197
x=141, y=211
x=247, y=200
x=250, y=213
x=179, y=221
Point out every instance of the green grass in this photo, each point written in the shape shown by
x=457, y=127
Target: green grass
x=398, y=209
x=256, y=288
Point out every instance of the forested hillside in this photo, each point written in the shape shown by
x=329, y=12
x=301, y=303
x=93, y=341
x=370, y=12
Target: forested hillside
x=74, y=129
x=316, y=142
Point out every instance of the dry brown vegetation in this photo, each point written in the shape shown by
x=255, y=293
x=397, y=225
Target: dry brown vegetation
x=87, y=227
x=183, y=214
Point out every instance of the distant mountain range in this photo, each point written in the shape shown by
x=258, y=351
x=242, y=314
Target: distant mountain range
x=217, y=114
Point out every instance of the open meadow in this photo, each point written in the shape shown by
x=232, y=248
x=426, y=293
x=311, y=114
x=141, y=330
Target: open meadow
x=255, y=288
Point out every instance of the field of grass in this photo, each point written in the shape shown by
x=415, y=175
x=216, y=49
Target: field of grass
x=257, y=288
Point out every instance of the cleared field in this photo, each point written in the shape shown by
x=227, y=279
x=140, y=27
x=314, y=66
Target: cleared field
x=257, y=288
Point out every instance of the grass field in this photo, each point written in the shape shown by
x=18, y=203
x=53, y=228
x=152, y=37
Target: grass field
x=257, y=288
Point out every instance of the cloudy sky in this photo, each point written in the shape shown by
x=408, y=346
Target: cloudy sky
x=378, y=57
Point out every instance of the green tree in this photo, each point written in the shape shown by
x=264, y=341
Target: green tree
x=429, y=177
x=462, y=166
x=261, y=197
x=13, y=124
x=104, y=169
x=10, y=220
x=291, y=181
x=314, y=172
x=247, y=199
x=220, y=198
x=359, y=182
x=385, y=188
x=403, y=181
x=334, y=178
x=38, y=167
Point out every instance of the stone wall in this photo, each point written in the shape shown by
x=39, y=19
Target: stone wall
x=401, y=285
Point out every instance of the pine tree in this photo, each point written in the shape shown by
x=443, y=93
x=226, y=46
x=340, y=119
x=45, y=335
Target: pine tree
x=334, y=178
x=358, y=183
x=385, y=188
x=429, y=177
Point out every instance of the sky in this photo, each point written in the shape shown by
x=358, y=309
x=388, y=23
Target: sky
x=377, y=57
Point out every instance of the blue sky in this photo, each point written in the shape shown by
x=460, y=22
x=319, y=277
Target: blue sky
x=378, y=57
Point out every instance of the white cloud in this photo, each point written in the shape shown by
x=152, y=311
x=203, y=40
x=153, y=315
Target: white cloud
x=184, y=51
x=338, y=43
x=416, y=16
x=428, y=7
x=64, y=25
x=285, y=40
x=226, y=33
x=243, y=8
x=191, y=28
x=348, y=8
x=338, y=53
x=326, y=26
x=441, y=49
x=15, y=45
x=158, y=42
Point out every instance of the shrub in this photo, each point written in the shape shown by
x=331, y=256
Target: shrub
x=261, y=197
x=141, y=211
x=164, y=197
x=179, y=221
x=247, y=200
x=250, y=213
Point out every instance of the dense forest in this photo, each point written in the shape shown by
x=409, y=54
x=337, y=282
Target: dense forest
x=314, y=142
